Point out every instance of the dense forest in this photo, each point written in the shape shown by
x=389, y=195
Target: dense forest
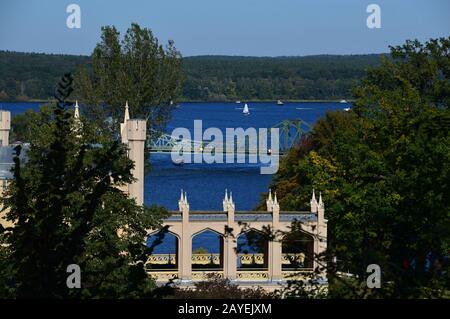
x=26, y=76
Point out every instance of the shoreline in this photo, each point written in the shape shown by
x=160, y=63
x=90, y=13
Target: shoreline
x=202, y=101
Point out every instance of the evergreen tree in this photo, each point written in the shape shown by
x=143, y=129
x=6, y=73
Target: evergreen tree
x=67, y=208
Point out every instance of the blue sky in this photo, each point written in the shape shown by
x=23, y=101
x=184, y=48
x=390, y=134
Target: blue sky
x=229, y=27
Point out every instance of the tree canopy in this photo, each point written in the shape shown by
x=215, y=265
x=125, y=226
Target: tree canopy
x=206, y=78
x=67, y=207
x=137, y=69
x=383, y=170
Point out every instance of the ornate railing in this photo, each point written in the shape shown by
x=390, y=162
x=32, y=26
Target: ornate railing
x=163, y=275
x=251, y=259
x=296, y=274
x=204, y=275
x=248, y=275
x=252, y=275
x=162, y=259
x=287, y=259
x=214, y=259
x=205, y=259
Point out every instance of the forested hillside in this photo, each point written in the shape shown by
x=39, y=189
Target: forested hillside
x=285, y=78
x=25, y=76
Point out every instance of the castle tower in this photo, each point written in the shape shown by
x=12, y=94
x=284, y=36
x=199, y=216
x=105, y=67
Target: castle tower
x=5, y=126
x=322, y=227
x=134, y=133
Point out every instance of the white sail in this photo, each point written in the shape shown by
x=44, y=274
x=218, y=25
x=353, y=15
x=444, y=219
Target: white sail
x=246, y=111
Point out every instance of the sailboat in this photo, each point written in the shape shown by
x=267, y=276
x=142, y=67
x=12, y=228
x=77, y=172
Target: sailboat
x=279, y=102
x=246, y=111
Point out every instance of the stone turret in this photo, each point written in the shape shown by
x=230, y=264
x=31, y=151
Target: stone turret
x=134, y=134
x=5, y=126
x=322, y=226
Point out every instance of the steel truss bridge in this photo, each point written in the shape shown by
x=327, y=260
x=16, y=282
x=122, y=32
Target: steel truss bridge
x=290, y=134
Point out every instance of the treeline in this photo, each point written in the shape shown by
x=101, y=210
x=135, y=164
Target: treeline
x=26, y=76
x=378, y=168
x=264, y=78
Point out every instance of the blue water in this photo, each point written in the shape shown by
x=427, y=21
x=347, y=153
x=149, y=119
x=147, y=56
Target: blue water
x=206, y=183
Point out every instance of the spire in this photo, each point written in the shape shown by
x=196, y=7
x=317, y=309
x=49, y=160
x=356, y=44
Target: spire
x=275, y=200
x=320, y=200
x=269, y=201
x=77, y=127
x=314, y=202
x=181, y=202
x=225, y=201
x=186, y=204
x=230, y=201
x=127, y=113
x=123, y=126
x=77, y=111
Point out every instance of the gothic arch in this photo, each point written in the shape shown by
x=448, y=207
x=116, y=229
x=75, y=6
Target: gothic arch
x=210, y=256
x=298, y=250
x=253, y=250
x=163, y=250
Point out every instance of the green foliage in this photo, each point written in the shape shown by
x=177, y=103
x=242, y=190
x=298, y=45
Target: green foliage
x=137, y=69
x=67, y=208
x=33, y=75
x=216, y=287
x=200, y=250
x=208, y=78
x=219, y=78
x=383, y=169
x=24, y=125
